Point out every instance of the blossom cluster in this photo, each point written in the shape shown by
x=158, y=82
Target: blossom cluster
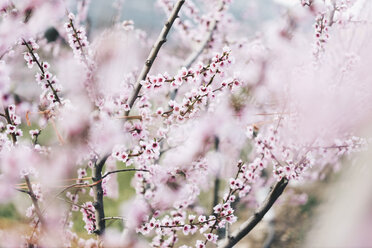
x=88, y=216
x=14, y=121
x=193, y=75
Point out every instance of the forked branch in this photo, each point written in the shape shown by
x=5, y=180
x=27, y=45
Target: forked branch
x=154, y=52
x=203, y=44
x=246, y=227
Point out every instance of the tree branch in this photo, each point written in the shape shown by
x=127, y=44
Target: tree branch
x=217, y=178
x=246, y=227
x=98, y=196
x=115, y=218
x=34, y=201
x=191, y=59
x=72, y=186
x=134, y=117
x=154, y=52
x=31, y=51
x=203, y=44
x=123, y=170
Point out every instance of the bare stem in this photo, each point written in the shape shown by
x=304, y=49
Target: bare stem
x=76, y=185
x=98, y=196
x=115, y=218
x=134, y=117
x=123, y=170
x=247, y=226
x=154, y=52
x=72, y=203
x=34, y=201
x=217, y=178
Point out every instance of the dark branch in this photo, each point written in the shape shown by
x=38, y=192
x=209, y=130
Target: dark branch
x=98, y=196
x=23, y=191
x=154, y=52
x=122, y=170
x=246, y=227
x=115, y=218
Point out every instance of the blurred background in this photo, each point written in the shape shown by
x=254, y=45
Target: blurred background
x=150, y=18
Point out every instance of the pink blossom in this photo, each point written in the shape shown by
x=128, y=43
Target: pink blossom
x=88, y=216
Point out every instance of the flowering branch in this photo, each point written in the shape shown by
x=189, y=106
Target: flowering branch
x=44, y=74
x=79, y=37
x=8, y=119
x=246, y=227
x=154, y=52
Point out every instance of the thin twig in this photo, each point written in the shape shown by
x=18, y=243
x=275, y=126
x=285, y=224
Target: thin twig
x=123, y=170
x=6, y=52
x=154, y=52
x=332, y=15
x=76, y=185
x=59, y=136
x=203, y=44
x=72, y=203
x=22, y=191
x=134, y=117
x=62, y=180
x=34, y=201
x=115, y=218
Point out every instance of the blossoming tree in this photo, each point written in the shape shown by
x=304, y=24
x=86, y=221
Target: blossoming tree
x=201, y=124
